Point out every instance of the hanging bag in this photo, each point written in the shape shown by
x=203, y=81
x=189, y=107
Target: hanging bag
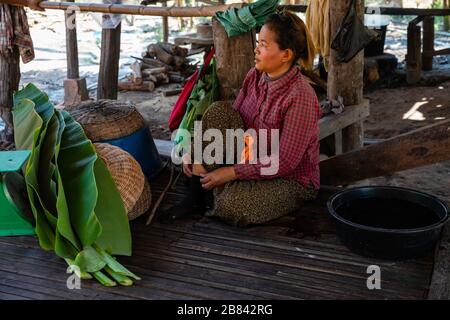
x=352, y=36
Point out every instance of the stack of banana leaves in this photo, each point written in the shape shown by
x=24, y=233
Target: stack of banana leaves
x=77, y=208
x=204, y=93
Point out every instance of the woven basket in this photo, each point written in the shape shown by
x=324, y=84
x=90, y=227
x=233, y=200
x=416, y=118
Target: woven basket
x=143, y=204
x=107, y=119
x=126, y=172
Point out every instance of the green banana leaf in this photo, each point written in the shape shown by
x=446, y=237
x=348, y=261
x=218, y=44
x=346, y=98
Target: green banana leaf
x=74, y=199
x=45, y=222
x=30, y=122
x=76, y=169
x=110, y=210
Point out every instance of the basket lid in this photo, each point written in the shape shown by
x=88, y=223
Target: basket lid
x=107, y=119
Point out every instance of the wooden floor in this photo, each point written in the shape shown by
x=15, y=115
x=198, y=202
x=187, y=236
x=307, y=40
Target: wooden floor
x=296, y=257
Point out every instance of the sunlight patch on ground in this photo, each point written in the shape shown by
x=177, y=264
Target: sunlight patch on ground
x=413, y=113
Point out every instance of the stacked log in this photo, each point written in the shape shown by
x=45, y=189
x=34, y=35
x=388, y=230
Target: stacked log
x=161, y=63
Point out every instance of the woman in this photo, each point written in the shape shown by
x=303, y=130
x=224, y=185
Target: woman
x=274, y=96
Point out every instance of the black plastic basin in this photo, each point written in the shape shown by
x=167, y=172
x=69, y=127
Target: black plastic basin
x=388, y=222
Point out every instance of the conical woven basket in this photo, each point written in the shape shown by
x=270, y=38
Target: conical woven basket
x=127, y=174
x=107, y=119
x=143, y=203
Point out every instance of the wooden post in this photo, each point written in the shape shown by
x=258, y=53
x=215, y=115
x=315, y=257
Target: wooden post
x=428, y=43
x=9, y=82
x=346, y=79
x=413, y=55
x=234, y=58
x=446, y=5
x=165, y=23
x=75, y=89
x=109, y=64
x=71, y=44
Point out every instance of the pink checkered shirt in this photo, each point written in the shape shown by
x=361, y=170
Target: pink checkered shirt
x=289, y=104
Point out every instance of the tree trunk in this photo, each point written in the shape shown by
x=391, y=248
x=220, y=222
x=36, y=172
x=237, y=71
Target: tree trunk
x=346, y=79
x=9, y=82
x=234, y=58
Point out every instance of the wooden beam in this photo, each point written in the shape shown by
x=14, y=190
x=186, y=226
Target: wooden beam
x=208, y=11
x=391, y=11
x=109, y=64
x=442, y=52
x=420, y=147
x=201, y=11
x=234, y=58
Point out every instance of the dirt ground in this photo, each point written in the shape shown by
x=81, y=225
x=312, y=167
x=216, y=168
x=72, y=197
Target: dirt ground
x=399, y=110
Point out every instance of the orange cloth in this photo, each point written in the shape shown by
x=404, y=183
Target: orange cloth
x=247, y=153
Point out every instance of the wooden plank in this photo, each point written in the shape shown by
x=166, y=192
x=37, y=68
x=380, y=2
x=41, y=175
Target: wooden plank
x=442, y=52
x=314, y=261
x=341, y=284
x=266, y=285
x=258, y=269
x=440, y=279
x=109, y=64
x=234, y=58
x=332, y=123
x=420, y=147
x=140, y=290
x=7, y=296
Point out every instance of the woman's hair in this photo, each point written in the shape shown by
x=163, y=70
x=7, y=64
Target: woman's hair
x=292, y=33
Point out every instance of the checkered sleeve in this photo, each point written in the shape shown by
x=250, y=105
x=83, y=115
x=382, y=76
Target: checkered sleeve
x=299, y=125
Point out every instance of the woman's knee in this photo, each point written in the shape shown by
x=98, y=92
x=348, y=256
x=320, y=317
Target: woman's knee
x=221, y=115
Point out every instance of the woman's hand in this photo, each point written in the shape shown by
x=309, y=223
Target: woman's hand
x=187, y=166
x=217, y=177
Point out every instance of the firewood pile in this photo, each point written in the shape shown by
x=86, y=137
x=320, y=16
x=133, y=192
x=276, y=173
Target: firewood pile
x=161, y=63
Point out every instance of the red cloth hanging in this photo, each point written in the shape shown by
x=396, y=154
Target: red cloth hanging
x=179, y=109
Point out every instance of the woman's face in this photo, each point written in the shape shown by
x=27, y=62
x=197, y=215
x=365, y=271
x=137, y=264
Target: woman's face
x=268, y=56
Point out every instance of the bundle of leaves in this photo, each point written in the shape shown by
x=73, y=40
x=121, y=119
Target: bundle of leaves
x=204, y=93
x=76, y=205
